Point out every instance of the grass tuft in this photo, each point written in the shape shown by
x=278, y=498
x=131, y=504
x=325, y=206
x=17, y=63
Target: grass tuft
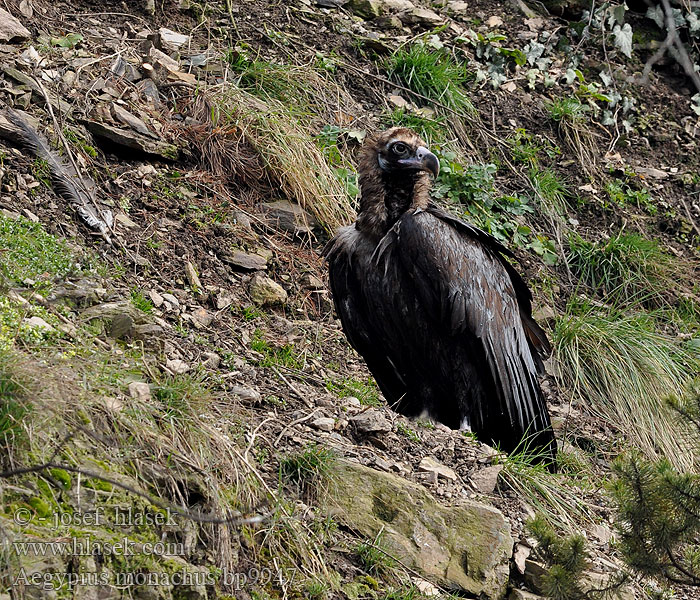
x=627, y=268
x=623, y=368
x=432, y=73
x=308, y=469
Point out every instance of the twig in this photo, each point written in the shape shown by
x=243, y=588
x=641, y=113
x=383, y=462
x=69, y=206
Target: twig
x=288, y=426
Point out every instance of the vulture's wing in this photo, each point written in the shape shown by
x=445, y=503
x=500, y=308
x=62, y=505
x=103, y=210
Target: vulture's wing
x=470, y=307
x=349, y=264
x=537, y=339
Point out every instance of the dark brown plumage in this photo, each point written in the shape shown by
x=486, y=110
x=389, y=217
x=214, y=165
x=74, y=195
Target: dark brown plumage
x=442, y=319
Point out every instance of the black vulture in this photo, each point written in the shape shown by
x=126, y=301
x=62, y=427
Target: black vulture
x=442, y=319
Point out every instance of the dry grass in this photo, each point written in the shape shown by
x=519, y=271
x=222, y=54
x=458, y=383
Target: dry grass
x=243, y=140
x=623, y=368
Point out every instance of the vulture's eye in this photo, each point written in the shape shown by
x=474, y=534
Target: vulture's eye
x=400, y=149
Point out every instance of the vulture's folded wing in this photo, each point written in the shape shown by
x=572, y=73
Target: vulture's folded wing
x=466, y=290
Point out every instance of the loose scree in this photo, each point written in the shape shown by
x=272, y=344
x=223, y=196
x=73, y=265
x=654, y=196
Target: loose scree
x=442, y=319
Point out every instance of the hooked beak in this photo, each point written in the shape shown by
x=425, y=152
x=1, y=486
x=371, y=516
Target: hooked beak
x=424, y=160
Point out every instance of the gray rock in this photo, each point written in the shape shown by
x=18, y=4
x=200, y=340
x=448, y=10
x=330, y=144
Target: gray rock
x=202, y=318
x=265, y=292
x=399, y=5
x=121, y=326
x=246, y=393
x=485, y=480
x=156, y=298
x=456, y=7
x=371, y=421
x=172, y=40
x=246, y=262
x=213, y=360
x=430, y=465
x=465, y=547
x=131, y=140
x=367, y=9
x=11, y=30
x=425, y=17
x=192, y=277
x=140, y=390
x=124, y=116
x=287, y=216
x=517, y=594
x=177, y=366
x=38, y=323
x=323, y=423
x=172, y=299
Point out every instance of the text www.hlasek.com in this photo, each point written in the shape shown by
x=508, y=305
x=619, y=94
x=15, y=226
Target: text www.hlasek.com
x=233, y=580
x=88, y=547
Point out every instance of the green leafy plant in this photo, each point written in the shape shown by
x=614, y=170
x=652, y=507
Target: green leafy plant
x=139, y=300
x=366, y=392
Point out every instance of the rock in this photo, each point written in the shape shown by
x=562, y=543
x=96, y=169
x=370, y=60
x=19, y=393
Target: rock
x=124, y=116
x=146, y=330
x=212, y=360
x=520, y=556
x=156, y=298
x=494, y=21
x=465, y=547
x=331, y=3
x=265, y=292
x=131, y=140
x=287, y=216
x=457, y=8
x=177, y=366
x=121, y=326
x=371, y=421
x=58, y=104
x=202, y=318
x=119, y=317
x=172, y=299
x=38, y=323
x=517, y=594
x=486, y=479
x=430, y=465
x=246, y=393
x=398, y=101
x=425, y=17
x=192, y=277
x=311, y=282
x=367, y=9
x=399, y=5
x=11, y=30
x=323, y=424
x=140, y=390
x=426, y=588
x=172, y=40
x=246, y=262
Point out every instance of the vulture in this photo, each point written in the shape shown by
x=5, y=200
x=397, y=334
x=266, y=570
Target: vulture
x=440, y=316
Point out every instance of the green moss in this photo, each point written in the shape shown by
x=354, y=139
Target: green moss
x=41, y=507
x=62, y=477
x=28, y=252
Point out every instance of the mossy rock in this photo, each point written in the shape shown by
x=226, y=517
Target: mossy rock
x=465, y=547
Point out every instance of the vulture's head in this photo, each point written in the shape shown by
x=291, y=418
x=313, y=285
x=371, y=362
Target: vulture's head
x=399, y=151
x=394, y=169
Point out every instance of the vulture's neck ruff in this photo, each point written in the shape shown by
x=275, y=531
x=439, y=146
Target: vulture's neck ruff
x=394, y=177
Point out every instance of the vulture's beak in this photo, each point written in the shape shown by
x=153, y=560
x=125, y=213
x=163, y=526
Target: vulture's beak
x=424, y=160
